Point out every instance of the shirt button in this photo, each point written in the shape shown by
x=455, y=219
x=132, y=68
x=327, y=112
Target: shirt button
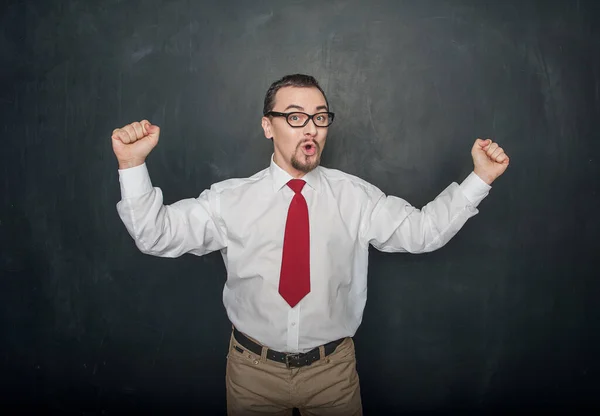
x=293, y=323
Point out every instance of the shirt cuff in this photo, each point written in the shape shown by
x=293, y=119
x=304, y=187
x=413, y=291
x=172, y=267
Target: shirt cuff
x=134, y=181
x=474, y=188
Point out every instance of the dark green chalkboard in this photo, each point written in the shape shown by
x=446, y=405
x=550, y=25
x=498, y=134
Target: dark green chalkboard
x=505, y=316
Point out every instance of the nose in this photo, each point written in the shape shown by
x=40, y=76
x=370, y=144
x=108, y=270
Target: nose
x=310, y=129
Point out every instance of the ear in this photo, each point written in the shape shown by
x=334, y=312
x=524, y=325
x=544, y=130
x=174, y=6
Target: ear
x=267, y=127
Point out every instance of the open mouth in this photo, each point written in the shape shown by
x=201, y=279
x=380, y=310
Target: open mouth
x=309, y=149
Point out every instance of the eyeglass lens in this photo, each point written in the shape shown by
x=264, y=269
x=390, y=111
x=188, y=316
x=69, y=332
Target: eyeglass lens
x=300, y=119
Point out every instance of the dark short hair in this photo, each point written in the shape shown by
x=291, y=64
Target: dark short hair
x=295, y=80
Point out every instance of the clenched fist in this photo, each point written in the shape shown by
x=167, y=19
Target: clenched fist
x=489, y=159
x=134, y=142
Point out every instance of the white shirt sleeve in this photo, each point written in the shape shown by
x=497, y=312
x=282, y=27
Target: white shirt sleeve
x=188, y=226
x=393, y=225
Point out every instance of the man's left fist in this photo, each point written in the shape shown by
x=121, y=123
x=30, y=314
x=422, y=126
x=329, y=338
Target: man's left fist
x=489, y=159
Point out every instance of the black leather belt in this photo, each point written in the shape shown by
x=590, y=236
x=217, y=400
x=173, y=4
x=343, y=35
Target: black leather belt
x=289, y=359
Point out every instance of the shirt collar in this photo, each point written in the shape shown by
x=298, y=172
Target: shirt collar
x=281, y=177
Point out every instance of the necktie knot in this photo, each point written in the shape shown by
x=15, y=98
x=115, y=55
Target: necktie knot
x=296, y=185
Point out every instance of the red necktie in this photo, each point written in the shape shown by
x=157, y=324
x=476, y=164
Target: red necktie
x=294, y=281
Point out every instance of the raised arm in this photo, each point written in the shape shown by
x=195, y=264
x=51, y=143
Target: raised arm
x=392, y=224
x=188, y=226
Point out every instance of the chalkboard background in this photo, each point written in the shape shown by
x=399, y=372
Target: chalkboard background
x=504, y=317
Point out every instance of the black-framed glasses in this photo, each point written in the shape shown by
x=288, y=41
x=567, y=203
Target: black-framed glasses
x=299, y=119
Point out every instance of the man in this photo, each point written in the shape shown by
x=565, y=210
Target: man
x=294, y=238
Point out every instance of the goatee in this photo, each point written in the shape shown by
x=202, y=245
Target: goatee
x=306, y=166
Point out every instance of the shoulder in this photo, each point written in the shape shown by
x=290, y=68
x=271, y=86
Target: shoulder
x=239, y=184
x=336, y=178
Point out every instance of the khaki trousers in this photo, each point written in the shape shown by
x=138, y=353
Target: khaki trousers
x=258, y=386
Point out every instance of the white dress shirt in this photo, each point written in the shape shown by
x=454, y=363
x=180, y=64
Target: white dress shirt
x=245, y=220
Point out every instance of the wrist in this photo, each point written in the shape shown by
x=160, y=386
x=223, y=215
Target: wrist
x=128, y=164
x=484, y=177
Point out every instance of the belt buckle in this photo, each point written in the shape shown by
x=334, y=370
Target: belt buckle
x=287, y=359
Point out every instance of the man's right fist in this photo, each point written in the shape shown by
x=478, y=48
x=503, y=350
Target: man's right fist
x=133, y=142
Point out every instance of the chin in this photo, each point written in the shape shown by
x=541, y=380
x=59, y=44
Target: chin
x=306, y=166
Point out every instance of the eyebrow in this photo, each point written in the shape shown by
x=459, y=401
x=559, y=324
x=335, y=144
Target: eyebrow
x=297, y=107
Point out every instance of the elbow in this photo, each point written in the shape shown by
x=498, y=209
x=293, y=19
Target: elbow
x=429, y=239
x=149, y=249
x=159, y=248
x=421, y=248
x=144, y=248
